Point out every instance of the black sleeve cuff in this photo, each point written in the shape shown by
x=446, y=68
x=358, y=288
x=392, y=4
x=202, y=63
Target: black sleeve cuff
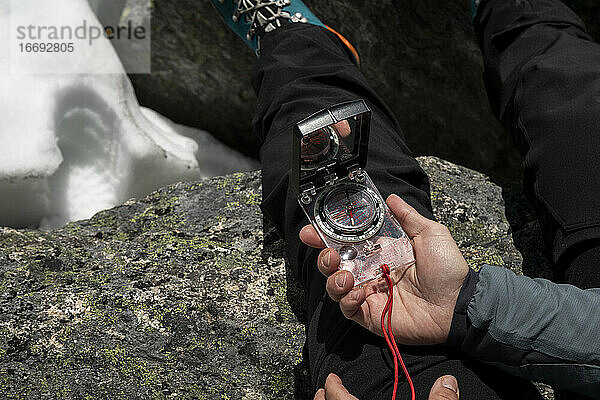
x=460, y=320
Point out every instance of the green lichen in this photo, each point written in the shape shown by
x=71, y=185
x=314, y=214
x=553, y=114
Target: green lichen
x=253, y=198
x=281, y=382
x=133, y=368
x=235, y=259
x=106, y=219
x=194, y=186
x=478, y=256
x=118, y=303
x=160, y=211
x=121, y=236
x=470, y=233
x=247, y=332
x=232, y=204
x=284, y=311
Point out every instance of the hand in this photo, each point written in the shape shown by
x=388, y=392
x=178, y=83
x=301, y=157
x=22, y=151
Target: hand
x=445, y=388
x=425, y=294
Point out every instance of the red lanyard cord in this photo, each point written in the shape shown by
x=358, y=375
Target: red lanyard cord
x=389, y=335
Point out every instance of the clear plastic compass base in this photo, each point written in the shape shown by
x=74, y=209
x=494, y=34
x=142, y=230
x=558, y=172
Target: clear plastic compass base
x=362, y=256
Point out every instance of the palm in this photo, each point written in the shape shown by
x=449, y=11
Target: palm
x=424, y=294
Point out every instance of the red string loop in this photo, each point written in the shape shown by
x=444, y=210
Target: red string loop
x=389, y=335
x=385, y=269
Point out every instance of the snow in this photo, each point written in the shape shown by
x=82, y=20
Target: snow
x=74, y=144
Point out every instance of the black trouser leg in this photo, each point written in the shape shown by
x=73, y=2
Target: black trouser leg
x=543, y=80
x=303, y=69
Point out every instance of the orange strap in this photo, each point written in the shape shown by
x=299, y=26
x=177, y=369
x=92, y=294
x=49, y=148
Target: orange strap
x=347, y=43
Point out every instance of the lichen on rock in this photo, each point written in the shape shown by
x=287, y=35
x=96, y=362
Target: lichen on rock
x=185, y=293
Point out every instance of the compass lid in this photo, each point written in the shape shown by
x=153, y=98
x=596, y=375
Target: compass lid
x=330, y=142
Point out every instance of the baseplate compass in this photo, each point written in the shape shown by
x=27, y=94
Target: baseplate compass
x=338, y=196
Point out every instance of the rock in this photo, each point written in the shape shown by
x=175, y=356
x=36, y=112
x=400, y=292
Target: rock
x=185, y=293
x=419, y=55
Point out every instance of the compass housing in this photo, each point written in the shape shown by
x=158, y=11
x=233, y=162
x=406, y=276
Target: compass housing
x=331, y=214
x=316, y=155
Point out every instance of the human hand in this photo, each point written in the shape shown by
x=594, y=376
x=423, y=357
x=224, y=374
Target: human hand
x=445, y=388
x=425, y=294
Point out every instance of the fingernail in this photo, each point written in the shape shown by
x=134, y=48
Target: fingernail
x=325, y=259
x=450, y=383
x=354, y=295
x=340, y=279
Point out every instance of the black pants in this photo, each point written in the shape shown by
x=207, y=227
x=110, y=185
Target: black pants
x=303, y=69
x=543, y=81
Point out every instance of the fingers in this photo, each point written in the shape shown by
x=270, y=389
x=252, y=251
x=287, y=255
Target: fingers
x=339, y=284
x=411, y=221
x=343, y=128
x=328, y=261
x=310, y=237
x=335, y=390
x=351, y=303
x=320, y=395
x=445, y=388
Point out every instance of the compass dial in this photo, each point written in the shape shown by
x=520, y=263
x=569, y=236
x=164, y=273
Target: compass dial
x=349, y=209
x=319, y=146
x=349, y=212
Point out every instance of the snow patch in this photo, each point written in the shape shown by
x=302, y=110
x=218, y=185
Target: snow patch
x=72, y=145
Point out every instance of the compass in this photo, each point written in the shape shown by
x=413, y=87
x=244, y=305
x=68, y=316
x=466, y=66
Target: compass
x=349, y=212
x=320, y=146
x=329, y=154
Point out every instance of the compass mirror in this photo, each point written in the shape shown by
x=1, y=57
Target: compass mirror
x=328, y=145
x=330, y=141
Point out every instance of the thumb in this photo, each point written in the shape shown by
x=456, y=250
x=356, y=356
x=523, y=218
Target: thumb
x=445, y=388
x=411, y=221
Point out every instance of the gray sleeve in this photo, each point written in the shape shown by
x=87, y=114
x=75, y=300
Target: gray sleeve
x=531, y=328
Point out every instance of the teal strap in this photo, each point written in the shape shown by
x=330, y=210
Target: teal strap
x=473, y=10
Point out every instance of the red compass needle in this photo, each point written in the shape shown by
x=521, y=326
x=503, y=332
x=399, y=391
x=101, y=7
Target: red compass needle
x=349, y=208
